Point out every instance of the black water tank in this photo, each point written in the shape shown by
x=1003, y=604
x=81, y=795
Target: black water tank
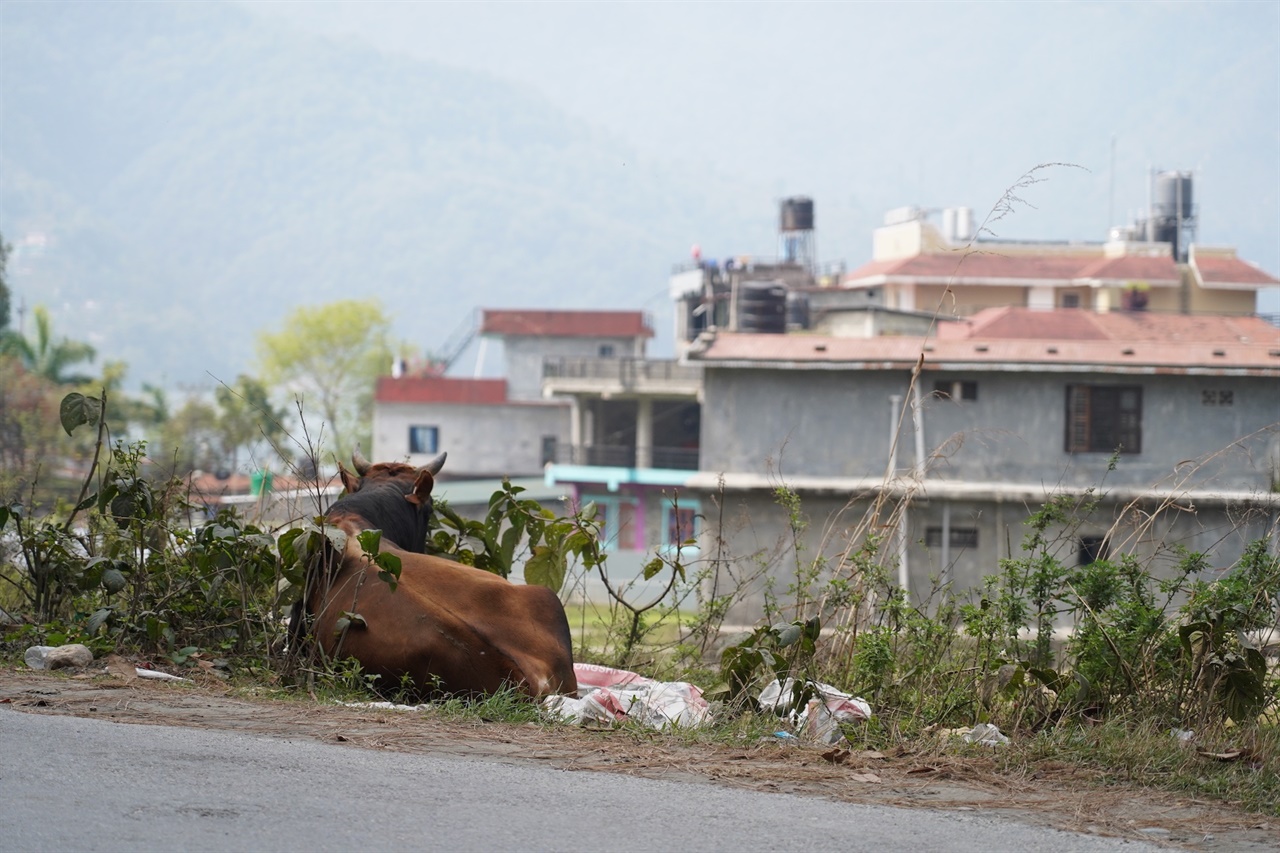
x=1171, y=198
x=762, y=307
x=797, y=214
x=797, y=311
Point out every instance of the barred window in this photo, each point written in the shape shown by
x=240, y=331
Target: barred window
x=1104, y=418
x=960, y=537
x=424, y=439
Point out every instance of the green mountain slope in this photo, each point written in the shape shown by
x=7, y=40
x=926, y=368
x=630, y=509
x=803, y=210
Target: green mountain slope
x=197, y=173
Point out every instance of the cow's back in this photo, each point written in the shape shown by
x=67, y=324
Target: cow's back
x=449, y=626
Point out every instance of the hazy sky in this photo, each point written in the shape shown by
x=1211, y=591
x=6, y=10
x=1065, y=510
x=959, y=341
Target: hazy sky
x=868, y=106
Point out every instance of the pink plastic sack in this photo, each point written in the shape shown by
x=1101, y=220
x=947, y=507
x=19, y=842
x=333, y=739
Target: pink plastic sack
x=607, y=696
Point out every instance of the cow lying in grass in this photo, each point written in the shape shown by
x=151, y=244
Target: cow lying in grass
x=445, y=627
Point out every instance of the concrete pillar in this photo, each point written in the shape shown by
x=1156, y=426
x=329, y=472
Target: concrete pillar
x=644, y=433
x=575, y=428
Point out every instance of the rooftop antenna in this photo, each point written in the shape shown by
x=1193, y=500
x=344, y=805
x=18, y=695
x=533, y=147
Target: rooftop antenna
x=1111, y=191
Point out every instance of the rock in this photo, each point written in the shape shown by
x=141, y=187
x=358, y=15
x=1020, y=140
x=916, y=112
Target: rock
x=49, y=657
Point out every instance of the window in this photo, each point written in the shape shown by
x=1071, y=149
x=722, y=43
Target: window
x=1218, y=397
x=1104, y=418
x=606, y=350
x=680, y=523
x=961, y=537
x=957, y=390
x=1092, y=549
x=1070, y=300
x=424, y=439
x=549, y=444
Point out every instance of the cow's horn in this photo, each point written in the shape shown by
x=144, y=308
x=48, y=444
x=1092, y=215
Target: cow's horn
x=357, y=459
x=433, y=467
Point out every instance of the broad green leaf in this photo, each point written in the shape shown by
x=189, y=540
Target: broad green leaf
x=92, y=573
x=369, y=540
x=77, y=409
x=652, y=568
x=97, y=620
x=348, y=620
x=789, y=635
x=113, y=580
x=545, y=568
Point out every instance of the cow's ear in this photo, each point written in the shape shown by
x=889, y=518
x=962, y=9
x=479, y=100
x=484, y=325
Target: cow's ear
x=421, y=494
x=349, y=481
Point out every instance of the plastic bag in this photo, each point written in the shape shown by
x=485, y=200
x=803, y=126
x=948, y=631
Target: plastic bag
x=822, y=714
x=607, y=696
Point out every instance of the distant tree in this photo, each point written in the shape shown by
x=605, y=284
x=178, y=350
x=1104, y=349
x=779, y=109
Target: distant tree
x=46, y=357
x=246, y=416
x=4, y=285
x=330, y=357
x=147, y=411
x=29, y=432
x=189, y=439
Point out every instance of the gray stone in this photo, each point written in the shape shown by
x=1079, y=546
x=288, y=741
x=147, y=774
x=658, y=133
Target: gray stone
x=49, y=657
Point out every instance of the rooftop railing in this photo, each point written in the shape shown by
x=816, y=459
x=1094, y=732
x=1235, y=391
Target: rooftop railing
x=628, y=371
x=625, y=456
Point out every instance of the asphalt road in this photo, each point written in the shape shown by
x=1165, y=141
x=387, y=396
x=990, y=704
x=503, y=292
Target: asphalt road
x=75, y=784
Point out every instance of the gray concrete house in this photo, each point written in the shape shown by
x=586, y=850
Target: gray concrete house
x=1173, y=421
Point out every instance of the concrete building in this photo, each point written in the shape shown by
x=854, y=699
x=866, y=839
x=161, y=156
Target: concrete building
x=965, y=434
x=916, y=267
x=421, y=413
x=931, y=399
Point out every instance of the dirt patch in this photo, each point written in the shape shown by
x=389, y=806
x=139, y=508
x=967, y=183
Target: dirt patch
x=1055, y=795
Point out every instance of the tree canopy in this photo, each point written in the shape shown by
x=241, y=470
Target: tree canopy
x=329, y=358
x=46, y=356
x=4, y=286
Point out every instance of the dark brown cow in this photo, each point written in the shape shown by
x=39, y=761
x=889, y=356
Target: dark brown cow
x=447, y=628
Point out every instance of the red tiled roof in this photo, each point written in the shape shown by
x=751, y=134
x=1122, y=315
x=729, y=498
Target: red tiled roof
x=1150, y=268
x=1226, y=271
x=568, y=324
x=1011, y=323
x=440, y=389
x=1006, y=339
x=1016, y=323
x=967, y=266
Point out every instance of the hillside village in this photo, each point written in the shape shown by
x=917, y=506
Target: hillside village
x=939, y=393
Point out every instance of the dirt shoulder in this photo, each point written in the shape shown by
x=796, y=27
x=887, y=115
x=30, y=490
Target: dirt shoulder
x=1054, y=794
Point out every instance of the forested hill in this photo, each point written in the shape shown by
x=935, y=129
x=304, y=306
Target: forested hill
x=196, y=172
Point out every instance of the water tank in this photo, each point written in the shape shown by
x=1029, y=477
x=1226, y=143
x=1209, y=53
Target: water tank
x=797, y=311
x=1171, y=196
x=797, y=214
x=762, y=307
x=949, y=224
x=964, y=224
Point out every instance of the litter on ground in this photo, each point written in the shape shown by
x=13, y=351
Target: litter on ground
x=608, y=696
x=823, y=712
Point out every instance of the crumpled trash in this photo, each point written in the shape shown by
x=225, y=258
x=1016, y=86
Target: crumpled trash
x=608, y=696
x=985, y=734
x=822, y=715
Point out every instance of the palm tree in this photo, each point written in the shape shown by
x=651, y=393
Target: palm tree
x=44, y=356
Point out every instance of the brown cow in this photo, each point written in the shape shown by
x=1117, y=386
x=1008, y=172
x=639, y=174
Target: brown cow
x=447, y=628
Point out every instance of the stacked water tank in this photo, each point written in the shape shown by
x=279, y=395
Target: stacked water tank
x=762, y=306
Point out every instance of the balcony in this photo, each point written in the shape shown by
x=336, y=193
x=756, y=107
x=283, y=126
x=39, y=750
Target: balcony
x=621, y=377
x=624, y=456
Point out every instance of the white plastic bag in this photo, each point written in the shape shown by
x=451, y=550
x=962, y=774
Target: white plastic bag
x=822, y=715
x=607, y=696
